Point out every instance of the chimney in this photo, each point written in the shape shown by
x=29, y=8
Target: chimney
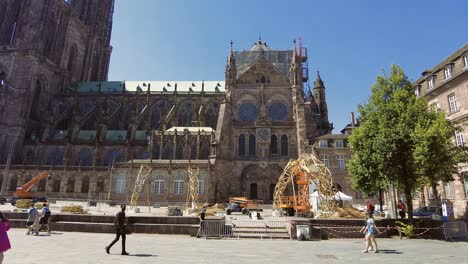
x=352, y=119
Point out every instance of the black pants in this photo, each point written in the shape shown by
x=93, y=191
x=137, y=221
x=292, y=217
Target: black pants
x=402, y=214
x=119, y=232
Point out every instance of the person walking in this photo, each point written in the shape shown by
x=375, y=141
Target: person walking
x=402, y=209
x=202, y=218
x=4, y=240
x=370, y=229
x=45, y=214
x=119, y=223
x=32, y=215
x=369, y=208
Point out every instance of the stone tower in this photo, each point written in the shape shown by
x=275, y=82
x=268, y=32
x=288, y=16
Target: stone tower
x=45, y=48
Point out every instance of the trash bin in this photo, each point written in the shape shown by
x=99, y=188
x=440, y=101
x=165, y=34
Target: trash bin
x=303, y=232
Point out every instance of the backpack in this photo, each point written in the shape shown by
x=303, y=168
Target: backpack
x=47, y=213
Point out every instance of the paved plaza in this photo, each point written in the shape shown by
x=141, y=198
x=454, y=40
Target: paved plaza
x=71, y=248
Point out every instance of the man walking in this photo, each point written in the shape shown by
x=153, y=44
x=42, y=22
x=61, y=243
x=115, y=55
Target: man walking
x=119, y=223
x=45, y=214
x=32, y=215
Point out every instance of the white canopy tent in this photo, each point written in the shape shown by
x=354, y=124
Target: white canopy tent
x=343, y=197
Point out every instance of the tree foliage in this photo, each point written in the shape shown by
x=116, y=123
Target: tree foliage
x=399, y=140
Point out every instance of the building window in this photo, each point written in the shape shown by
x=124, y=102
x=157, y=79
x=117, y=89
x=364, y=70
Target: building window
x=448, y=72
x=324, y=159
x=121, y=184
x=201, y=185
x=179, y=186
x=85, y=185
x=341, y=161
x=339, y=144
x=284, y=145
x=430, y=83
x=252, y=146
x=70, y=185
x=465, y=183
x=159, y=185
x=465, y=59
x=274, y=145
x=417, y=90
x=459, y=139
x=430, y=193
x=241, y=145
x=448, y=191
x=452, y=103
x=323, y=143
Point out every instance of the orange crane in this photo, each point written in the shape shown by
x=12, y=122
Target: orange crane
x=24, y=192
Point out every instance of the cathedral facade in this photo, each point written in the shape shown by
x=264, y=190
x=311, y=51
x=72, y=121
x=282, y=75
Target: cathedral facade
x=60, y=114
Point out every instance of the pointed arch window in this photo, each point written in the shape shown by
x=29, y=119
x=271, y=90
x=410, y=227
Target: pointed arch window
x=29, y=157
x=72, y=62
x=55, y=157
x=204, y=150
x=85, y=184
x=284, y=145
x=180, y=150
x=185, y=115
x=36, y=101
x=159, y=112
x=10, y=22
x=70, y=184
x=13, y=183
x=84, y=157
x=167, y=151
x=241, y=145
x=111, y=157
x=211, y=116
x=193, y=152
x=252, y=146
x=274, y=145
x=41, y=186
x=56, y=184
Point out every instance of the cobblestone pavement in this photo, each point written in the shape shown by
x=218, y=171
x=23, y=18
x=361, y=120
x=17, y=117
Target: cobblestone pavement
x=71, y=248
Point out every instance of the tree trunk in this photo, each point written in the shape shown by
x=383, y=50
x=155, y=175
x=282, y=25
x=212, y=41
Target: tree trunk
x=436, y=197
x=381, y=200
x=409, y=201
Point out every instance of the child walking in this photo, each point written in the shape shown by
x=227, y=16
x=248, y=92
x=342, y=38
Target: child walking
x=370, y=229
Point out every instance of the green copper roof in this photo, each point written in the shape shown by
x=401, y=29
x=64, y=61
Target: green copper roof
x=155, y=86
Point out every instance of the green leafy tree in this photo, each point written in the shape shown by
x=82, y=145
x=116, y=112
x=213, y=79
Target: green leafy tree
x=396, y=130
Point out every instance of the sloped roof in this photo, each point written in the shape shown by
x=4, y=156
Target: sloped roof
x=155, y=86
x=281, y=59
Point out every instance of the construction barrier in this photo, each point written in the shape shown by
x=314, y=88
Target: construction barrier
x=238, y=229
x=455, y=229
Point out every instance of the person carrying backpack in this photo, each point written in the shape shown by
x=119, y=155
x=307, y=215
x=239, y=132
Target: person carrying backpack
x=45, y=214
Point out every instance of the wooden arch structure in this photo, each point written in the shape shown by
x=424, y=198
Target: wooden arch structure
x=302, y=171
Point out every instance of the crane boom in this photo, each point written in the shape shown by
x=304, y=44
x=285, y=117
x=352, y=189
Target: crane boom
x=24, y=191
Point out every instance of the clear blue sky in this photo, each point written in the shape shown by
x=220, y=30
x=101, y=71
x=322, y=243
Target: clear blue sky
x=349, y=42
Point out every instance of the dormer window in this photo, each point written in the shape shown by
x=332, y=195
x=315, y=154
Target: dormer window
x=465, y=60
x=338, y=143
x=430, y=82
x=323, y=144
x=417, y=90
x=448, y=71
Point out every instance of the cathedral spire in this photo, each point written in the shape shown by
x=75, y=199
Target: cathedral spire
x=318, y=81
x=231, y=69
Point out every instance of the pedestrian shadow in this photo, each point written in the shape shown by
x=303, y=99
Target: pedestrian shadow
x=143, y=255
x=389, y=251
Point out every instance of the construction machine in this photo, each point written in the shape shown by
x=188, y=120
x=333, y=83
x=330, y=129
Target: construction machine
x=301, y=173
x=24, y=191
x=243, y=205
